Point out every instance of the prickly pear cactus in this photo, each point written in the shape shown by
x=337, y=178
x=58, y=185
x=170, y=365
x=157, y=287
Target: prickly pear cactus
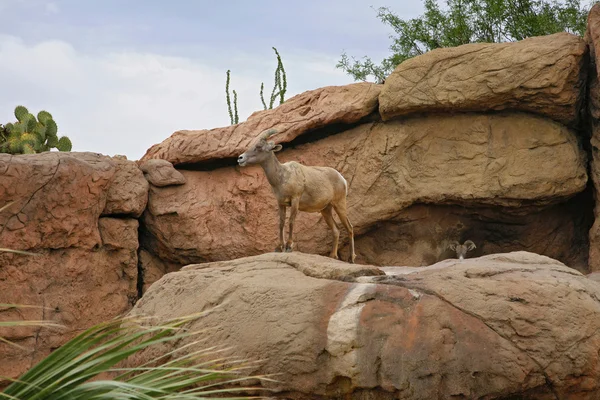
x=30, y=135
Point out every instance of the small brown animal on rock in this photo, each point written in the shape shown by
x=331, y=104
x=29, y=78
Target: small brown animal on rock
x=302, y=188
x=462, y=249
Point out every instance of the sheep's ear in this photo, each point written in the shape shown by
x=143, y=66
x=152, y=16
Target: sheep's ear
x=277, y=147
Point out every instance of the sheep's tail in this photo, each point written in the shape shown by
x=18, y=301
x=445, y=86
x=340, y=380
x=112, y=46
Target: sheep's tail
x=344, y=180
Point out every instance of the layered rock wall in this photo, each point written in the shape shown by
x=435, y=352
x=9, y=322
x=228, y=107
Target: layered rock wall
x=77, y=212
x=485, y=142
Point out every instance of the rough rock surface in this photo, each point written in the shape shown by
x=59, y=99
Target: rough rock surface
x=119, y=233
x=308, y=111
x=592, y=38
x=161, y=173
x=493, y=327
x=419, y=235
x=544, y=75
x=58, y=198
x=513, y=160
x=595, y=276
x=86, y=270
x=128, y=192
x=153, y=268
x=77, y=287
x=592, y=35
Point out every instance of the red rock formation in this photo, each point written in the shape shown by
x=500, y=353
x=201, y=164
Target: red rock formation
x=544, y=75
x=308, y=111
x=514, y=162
x=86, y=268
x=493, y=327
x=592, y=38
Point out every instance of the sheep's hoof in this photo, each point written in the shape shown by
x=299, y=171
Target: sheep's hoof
x=352, y=258
x=278, y=249
x=288, y=248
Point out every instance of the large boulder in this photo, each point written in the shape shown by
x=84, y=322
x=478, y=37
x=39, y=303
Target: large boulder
x=128, y=192
x=161, y=173
x=592, y=38
x=57, y=198
x=75, y=212
x=74, y=287
x=153, y=268
x=500, y=326
x=311, y=110
x=543, y=75
x=515, y=162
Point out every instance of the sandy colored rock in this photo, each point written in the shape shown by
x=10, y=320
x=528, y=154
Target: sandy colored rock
x=515, y=161
x=161, y=173
x=498, y=326
x=57, y=199
x=153, y=268
x=543, y=75
x=119, y=233
x=592, y=35
x=78, y=288
x=86, y=270
x=300, y=114
x=592, y=38
x=594, y=238
x=128, y=191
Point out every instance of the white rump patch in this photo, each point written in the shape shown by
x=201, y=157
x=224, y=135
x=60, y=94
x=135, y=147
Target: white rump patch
x=343, y=179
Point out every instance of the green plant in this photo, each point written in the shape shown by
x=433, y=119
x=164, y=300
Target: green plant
x=280, y=86
x=67, y=373
x=467, y=21
x=279, y=90
x=233, y=116
x=22, y=323
x=30, y=135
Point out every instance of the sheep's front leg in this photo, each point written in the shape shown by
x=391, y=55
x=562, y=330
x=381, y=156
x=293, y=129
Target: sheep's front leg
x=293, y=211
x=282, y=210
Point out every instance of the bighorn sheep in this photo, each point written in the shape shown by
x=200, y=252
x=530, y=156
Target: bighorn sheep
x=304, y=188
x=461, y=249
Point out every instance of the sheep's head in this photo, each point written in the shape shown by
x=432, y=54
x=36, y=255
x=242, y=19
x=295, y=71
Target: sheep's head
x=462, y=249
x=260, y=150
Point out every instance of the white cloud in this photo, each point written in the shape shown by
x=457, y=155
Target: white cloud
x=52, y=8
x=124, y=102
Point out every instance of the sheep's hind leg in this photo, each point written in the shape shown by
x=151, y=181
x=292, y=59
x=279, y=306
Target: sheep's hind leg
x=282, y=210
x=293, y=212
x=340, y=209
x=327, y=213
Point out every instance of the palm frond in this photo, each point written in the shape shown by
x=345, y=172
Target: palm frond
x=25, y=253
x=183, y=374
x=4, y=207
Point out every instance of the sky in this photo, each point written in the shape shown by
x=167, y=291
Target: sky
x=121, y=75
